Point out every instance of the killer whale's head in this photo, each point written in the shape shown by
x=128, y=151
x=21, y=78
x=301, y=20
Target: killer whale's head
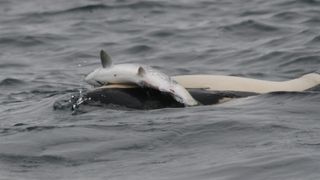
x=99, y=77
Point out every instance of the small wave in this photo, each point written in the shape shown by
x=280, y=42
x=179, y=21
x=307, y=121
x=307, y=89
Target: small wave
x=271, y=165
x=22, y=127
x=313, y=59
x=46, y=89
x=19, y=124
x=21, y=41
x=12, y=65
x=161, y=33
x=313, y=21
x=315, y=40
x=145, y=5
x=274, y=42
x=288, y=15
x=100, y=6
x=87, y=8
x=35, y=161
x=137, y=49
x=276, y=56
x=254, y=12
x=249, y=28
x=29, y=40
x=298, y=2
x=250, y=24
x=311, y=2
x=308, y=99
x=39, y=128
x=11, y=82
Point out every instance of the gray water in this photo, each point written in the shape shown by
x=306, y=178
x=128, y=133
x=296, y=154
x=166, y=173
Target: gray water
x=47, y=47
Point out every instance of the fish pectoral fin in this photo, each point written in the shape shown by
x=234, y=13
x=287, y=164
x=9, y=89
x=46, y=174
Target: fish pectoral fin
x=186, y=101
x=141, y=71
x=178, y=98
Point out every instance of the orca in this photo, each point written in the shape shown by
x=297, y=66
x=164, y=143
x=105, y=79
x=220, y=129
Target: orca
x=126, y=85
x=135, y=97
x=205, y=89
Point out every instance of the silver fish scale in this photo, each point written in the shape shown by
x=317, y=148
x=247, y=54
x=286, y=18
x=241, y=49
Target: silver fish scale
x=159, y=74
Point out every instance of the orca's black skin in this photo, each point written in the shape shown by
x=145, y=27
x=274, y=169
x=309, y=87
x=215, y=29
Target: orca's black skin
x=146, y=98
x=315, y=88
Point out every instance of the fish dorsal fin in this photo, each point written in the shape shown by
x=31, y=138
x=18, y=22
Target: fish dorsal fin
x=141, y=71
x=105, y=59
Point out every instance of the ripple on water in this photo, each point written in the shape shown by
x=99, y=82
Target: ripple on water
x=315, y=40
x=29, y=40
x=290, y=4
x=30, y=162
x=48, y=46
x=277, y=165
x=290, y=16
x=249, y=25
x=301, y=61
x=312, y=21
x=138, y=49
x=163, y=33
x=12, y=65
x=91, y=8
x=11, y=82
x=250, y=29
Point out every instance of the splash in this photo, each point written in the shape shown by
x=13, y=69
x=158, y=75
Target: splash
x=80, y=99
x=72, y=102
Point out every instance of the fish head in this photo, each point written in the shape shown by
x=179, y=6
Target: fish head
x=95, y=78
x=103, y=75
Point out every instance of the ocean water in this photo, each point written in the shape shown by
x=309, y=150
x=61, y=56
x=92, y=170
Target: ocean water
x=48, y=46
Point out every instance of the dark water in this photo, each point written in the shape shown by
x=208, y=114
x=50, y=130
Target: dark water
x=47, y=47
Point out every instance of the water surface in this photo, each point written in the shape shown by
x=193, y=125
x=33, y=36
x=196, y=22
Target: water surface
x=47, y=47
